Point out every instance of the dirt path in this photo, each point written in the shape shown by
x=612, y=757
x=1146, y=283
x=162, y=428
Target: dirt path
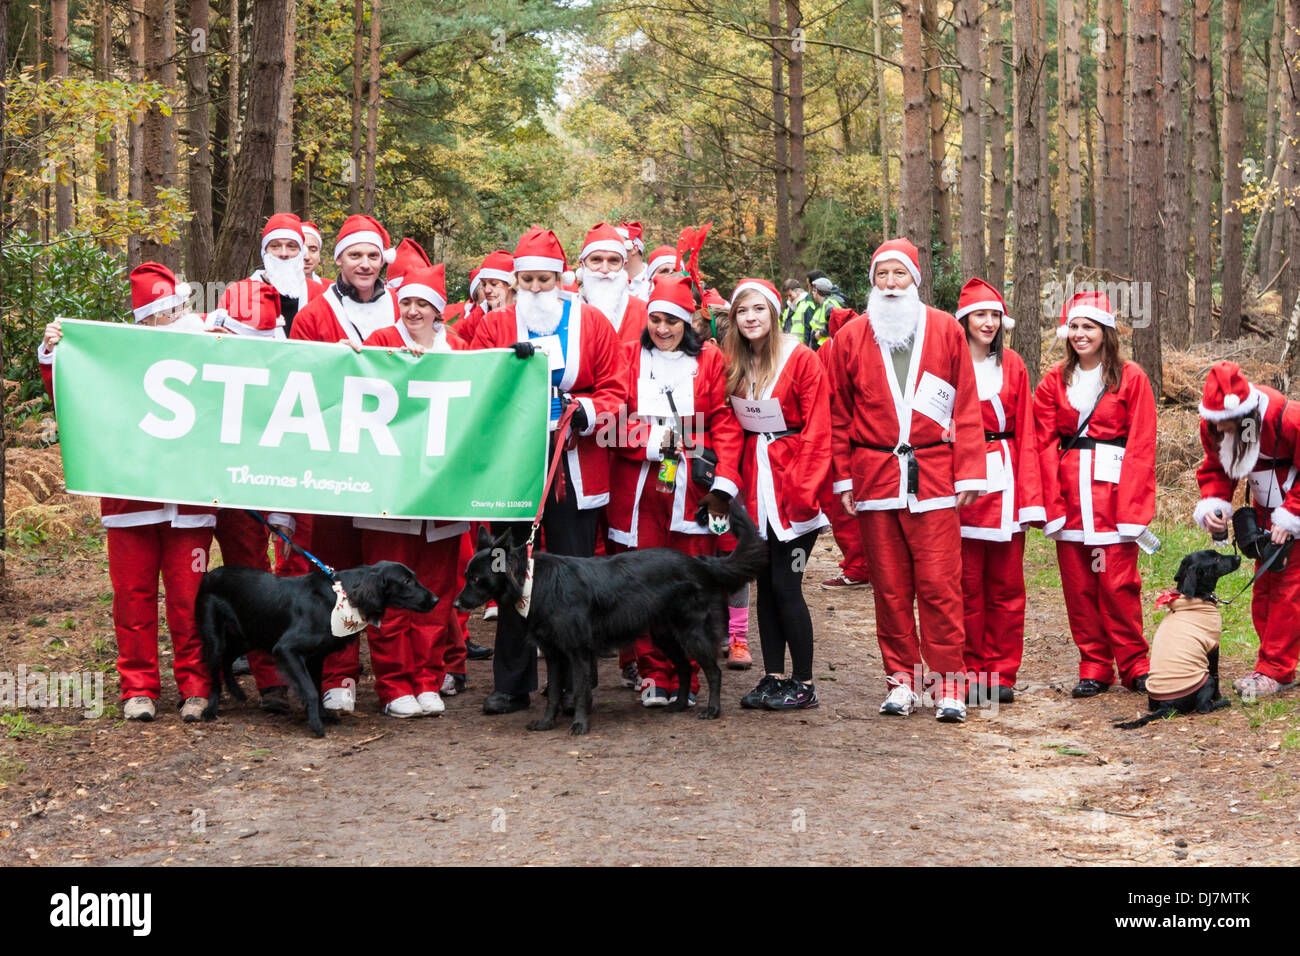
x=1043, y=781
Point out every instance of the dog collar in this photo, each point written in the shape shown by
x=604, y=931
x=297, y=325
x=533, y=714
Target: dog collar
x=345, y=620
x=526, y=598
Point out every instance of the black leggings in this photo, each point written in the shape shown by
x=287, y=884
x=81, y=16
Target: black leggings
x=783, y=618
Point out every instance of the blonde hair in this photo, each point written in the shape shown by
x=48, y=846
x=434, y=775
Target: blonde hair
x=752, y=365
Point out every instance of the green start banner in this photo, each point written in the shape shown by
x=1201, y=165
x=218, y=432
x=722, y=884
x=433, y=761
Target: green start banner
x=232, y=421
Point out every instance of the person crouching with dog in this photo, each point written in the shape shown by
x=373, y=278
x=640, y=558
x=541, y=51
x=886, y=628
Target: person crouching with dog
x=1096, y=433
x=781, y=396
x=412, y=653
x=586, y=363
x=993, y=527
x=1252, y=432
x=655, y=486
x=149, y=539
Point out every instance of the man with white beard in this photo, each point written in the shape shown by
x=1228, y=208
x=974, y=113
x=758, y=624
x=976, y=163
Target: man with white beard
x=601, y=270
x=283, y=249
x=908, y=450
x=587, y=367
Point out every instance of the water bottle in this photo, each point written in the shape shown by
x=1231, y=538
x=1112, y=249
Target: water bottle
x=667, y=482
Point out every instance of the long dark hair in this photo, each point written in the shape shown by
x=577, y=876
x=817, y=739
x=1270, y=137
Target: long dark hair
x=1112, y=366
x=1249, y=424
x=995, y=347
x=690, y=343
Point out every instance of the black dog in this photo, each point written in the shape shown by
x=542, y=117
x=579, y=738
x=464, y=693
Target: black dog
x=239, y=609
x=1197, y=576
x=581, y=607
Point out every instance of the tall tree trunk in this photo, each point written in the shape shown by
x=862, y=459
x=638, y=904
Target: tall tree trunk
x=1026, y=307
x=798, y=155
x=1288, y=181
x=883, y=119
x=1110, y=94
x=135, y=130
x=1233, y=134
x=160, y=129
x=372, y=111
x=1264, y=230
x=1145, y=240
x=105, y=145
x=282, y=186
x=4, y=206
x=1044, y=150
x=1174, y=230
x=780, y=146
x=917, y=197
x=1073, y=92
x=358, y=79
x=938, y=143
x=252, y=175
x=972, y=138
x=198, y=103
x=997, y=138
x=1062, y=183
x=232, y=105
x=59, y=46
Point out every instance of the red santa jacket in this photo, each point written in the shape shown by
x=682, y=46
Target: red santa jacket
x=331, y=318
x=871, y=417
x=123, y=512
x=635, y=319
x=316, y=287
x=711, y=424
x=784, y=475
x=1080, y=506
x=593, y=374
x=1014, y=495
x=1269, y=466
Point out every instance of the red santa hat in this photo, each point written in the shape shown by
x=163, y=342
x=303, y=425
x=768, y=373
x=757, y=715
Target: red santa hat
x=602, y=238
x=672, y=295
x=662, y=256
x=283, y=225
x=313, y=229
x=762, y=286
x=254, y=305
x=1228, y=393
x=154, y=289
x=1093, y=306
x=539, y=250
x=408, y=256
x=357, y=229
x=977, y=295
x=427, y=283
x=713, y=300
x=630, y=233
x=901, y=250
x=473, y=281
x=499, y=265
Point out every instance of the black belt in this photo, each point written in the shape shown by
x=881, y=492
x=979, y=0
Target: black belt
x=773, y=436
x=998, y=436
x=1272, y=464
x=1088, y=444
x=913, y=470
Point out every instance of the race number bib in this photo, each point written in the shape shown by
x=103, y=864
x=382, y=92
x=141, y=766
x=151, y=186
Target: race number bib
x=652, y=398
x=759, y=414
x=1266, y=488
x=551, y=345
x=1106, y=462
x=934, y=399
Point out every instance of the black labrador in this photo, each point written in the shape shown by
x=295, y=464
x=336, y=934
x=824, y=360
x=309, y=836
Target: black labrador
x=582, y=607
x=239, y=609
x=1197, y=577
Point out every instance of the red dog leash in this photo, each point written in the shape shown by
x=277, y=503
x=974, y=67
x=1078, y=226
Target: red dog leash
x=561, y=439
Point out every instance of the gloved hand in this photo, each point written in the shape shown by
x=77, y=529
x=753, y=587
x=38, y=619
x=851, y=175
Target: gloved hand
x=717, y=502
x=579, y=421
x=524, y=350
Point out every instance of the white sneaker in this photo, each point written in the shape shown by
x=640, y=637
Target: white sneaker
x=340, y=698
x=138, y=708
x=490, y=613
x=405, y=706
x=430, y=702
x=950, y=711
x=901, y=700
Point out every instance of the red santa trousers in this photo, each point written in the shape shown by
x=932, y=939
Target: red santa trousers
x=847, y=534
x=917, y=557
x=1275, y=608
x=337, y=543
x=296, y=564
x=993, y=586
x=242, y=539
x=136, y=557
x=1103, y=600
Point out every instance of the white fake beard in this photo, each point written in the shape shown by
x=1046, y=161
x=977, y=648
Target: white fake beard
x=189, y=322
x=894, y=316
x=606, y=292
x=1228, y=448
x=286, y=275
x=541, y=311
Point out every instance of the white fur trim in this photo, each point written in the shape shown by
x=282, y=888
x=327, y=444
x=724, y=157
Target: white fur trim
x=500, y=274
x=655, y=442
x=970, y=484
x=1286, y=520
x=992, y=305
x=590, y=409
x=282, y=234
x=1101, y=316
x=1062, y=332
x=43, y=355
x=840, y=487
x=1207, y=506
x=1244, y=408
x=474, y=284
x=773, y=300
x=354, y=238
x=537, y=264
x=671, y=308
x=899, y=256
x=315, y=232
x=180, y=297
x=668, y=261
x=1053, y=527
x=413, y=291
x=603, y=245
x=1008, y=322
x=723, y=484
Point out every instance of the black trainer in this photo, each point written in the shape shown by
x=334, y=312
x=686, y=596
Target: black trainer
x=477, y=652
x=756, y=699
x=792, y=695
x=1006, y=695
x=1087, y=687
x=499, y=703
